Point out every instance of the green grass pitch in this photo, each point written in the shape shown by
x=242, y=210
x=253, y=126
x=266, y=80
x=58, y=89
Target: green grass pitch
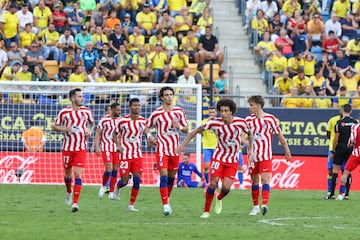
x=39, y=212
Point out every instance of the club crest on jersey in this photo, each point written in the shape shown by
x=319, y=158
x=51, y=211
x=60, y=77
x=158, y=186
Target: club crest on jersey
x=161, y=164
x=123, y=170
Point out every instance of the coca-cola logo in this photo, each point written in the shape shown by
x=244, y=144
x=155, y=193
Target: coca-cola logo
x=8, y=173
x=285, y=174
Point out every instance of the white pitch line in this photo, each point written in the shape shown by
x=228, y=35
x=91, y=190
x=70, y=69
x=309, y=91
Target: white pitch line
x=274, y=221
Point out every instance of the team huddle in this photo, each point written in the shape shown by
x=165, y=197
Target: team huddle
x=119, y=140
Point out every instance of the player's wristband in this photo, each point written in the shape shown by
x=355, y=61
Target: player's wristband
x=148, y=135
x=181, y=128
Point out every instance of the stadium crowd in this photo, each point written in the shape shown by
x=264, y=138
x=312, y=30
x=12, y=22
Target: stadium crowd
x=124, y=41
x=308, y=48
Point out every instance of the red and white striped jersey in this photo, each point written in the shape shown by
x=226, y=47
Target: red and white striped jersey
x=107, y=126
x=167, y=134
x=131, y=132
x=78, y=119
x=263, y=130
x=229, y=138
x=355, y=139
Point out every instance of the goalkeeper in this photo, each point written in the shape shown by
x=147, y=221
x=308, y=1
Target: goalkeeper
x=186, y=168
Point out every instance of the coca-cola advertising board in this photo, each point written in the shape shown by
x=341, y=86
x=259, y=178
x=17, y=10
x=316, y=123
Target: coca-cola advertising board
x=301, y=173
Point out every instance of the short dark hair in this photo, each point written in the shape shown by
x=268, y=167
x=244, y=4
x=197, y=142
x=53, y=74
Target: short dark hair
x=212, y=107
x=133, y=100
x=32, y=123
x=227, y=102
x=331, y=32
x=347, y=108
x=221, y=72
x=163, y=89
x=114, y=105
x=258, y=99
x=72, y=92
x=107, y=107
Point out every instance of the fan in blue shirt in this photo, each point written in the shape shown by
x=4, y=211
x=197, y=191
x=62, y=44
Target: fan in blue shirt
x=186, y=168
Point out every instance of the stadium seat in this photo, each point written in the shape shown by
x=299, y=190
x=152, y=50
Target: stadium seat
x=325, y=16
x=216, y=69
x=44, y=100
x=51, y=67
x=193, y=68
x=317, y=52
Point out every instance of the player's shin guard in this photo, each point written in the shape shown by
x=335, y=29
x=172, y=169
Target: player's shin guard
x=240, y=177
x=348, y=184
x=113, y=179
x=206, y=174
x=222, y=194
x=255, y=194
x=333, y=183
x=265, y=194
x=68, y=184
x=106, y=177
x=170, y=185
x=135, y=190
x=77, y=189
x=164, y=189
x=209, y=196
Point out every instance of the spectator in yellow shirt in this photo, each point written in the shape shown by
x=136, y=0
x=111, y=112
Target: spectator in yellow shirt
x=291, y=99
x=135, y=40
x=341, y=7
x=50, y=39
x=318, y=81
x=282, y=84
x=146, y=20
x=349, y=80
x=99, y=38
x=353, y=48
x=308, y=101
x=9, y=26
x=343, y=98
x=356, y=99
x=179, y=62
x=175, y=6
x=294, y=63
x=183, y=23
x=322, y=101
x=265, y=46
x=79, y=75
x=190, y=44
x=315, y=30
x=24, y=74
x=42, y=16
x=301, y=81
x=309, y=64
x=288, y=9
x=27, y=37
x=9, y=72
x=158, y=60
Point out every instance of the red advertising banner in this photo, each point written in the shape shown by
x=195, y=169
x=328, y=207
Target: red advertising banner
x=302, y=173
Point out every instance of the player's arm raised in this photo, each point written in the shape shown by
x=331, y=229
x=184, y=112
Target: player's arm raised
x=181, y=147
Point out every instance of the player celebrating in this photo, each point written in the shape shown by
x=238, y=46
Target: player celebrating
x=129, y=131
x=209, y=143
x=262, y=126
x=73, y=122
x=106, y=147
x=186, y=168
x=224, y=163
x=168, y=120
x=353, y=161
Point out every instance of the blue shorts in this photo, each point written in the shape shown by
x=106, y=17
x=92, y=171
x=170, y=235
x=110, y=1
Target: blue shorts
x=192, y=184
x=208, y=153
x=330, y=162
